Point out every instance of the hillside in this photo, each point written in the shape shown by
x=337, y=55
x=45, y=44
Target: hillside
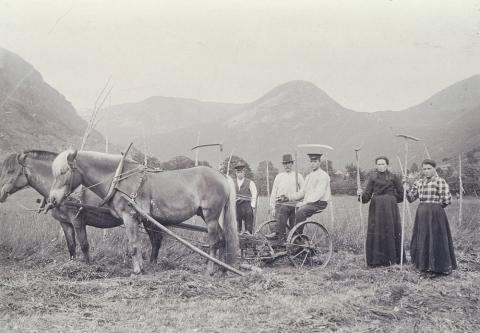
x=36, y=116
x=33, y=114
x=447, y=122
x=157, y=115
x=299, y=112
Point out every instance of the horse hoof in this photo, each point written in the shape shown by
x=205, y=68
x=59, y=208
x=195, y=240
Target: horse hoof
x=138, y=269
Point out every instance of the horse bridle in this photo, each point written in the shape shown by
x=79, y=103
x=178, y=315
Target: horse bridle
x=23, y=170
x=73, y=167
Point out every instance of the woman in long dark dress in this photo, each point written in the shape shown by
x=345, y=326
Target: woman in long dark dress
x=431, y=247
x=384, y=190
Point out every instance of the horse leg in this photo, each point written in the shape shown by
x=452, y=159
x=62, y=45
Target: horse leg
x=131, y=227
x=156, y=237
x=214, y=242
x=70, y=238
x=81, y=231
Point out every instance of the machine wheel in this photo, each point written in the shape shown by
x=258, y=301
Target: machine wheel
x=309, y=244
x=268, y=227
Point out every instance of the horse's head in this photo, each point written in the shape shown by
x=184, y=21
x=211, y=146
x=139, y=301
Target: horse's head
x=66, y=177
x=13, y=176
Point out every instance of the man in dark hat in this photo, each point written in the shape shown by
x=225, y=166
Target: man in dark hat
x=285, y=184
x=246, y=198
x=315, y=193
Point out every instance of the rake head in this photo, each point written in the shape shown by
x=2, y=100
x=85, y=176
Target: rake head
x=408, y=137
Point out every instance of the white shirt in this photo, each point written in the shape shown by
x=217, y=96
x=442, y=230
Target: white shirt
x=316, y=187
x=284, y=184
x=253, y=190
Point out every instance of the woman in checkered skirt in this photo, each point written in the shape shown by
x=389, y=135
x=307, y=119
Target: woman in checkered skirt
x=431, y=247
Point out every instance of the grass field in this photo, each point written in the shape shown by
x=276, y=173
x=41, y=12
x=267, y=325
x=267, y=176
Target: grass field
x=41, y=290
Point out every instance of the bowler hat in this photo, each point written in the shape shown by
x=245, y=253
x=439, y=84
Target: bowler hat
x=314, y=157
x=240, y=165
x=287, y=158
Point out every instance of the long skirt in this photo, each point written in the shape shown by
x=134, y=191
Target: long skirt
x=432, y=247
x=383, y=232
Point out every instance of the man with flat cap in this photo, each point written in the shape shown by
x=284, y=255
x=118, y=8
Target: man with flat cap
x=315, y=192
x=246, y=198
x=285, y=184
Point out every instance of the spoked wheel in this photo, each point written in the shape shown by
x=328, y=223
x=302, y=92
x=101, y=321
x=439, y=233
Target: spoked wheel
x=266, y=227
x=309, y=244
x=263, y=230
x=269, y=227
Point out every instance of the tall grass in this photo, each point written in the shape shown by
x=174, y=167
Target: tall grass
x=24, y=233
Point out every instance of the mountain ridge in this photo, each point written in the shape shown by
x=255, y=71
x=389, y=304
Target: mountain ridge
x=35, y=115
x=299, y=112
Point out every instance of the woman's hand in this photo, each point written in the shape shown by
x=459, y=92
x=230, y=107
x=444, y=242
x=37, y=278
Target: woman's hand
x=359, y=192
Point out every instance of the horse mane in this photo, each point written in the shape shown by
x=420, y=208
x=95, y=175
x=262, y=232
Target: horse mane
x=60, y=163
x=41, y=155
x=10, y=162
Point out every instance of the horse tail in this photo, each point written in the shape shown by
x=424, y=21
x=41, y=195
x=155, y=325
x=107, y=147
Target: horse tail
x=230, y=225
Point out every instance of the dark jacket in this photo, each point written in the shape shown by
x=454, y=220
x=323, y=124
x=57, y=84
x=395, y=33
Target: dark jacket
x=383, y=183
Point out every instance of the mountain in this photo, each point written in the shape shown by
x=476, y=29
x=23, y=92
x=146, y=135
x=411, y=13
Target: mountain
x=292, y=113
x=299, y=112
x=448, y=122
x=157, y=115
x=33, y=115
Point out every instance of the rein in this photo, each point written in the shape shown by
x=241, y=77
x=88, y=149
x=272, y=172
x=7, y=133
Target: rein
x=23, y=171
x=119, y=176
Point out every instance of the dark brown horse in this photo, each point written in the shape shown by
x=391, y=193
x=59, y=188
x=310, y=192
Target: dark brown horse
x=34, y=168
x=170, y=197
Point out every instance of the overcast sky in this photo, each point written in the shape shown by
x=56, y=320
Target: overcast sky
x=369, y=55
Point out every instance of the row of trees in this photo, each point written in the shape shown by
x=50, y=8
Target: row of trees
x=470, y=171
x=344, y=182
x=341, y=183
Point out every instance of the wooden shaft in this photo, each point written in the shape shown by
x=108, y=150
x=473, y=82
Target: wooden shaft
x=360, y=209
x=296, y=172
x=404, y=206
x=228, y=163
x=181, y=240
x=196, y=150
x=191, y=227
x=332, y=218
x=268, y=182
x=116, y=177
x=408, y=207
x=460, y=189
x=255, y=213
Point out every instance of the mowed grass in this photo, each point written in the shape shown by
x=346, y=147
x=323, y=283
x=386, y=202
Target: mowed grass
x=43, y=291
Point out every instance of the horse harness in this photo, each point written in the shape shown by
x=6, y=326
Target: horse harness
x=119, y=176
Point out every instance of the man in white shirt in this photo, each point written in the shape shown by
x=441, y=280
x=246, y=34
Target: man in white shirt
x=315, y=192
x=285, y=184
x=246, y=198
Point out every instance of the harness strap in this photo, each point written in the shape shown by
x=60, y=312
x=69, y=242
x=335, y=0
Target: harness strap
x=116, y=180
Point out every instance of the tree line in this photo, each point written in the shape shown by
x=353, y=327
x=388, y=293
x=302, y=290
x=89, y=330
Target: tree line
x=345, y=181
